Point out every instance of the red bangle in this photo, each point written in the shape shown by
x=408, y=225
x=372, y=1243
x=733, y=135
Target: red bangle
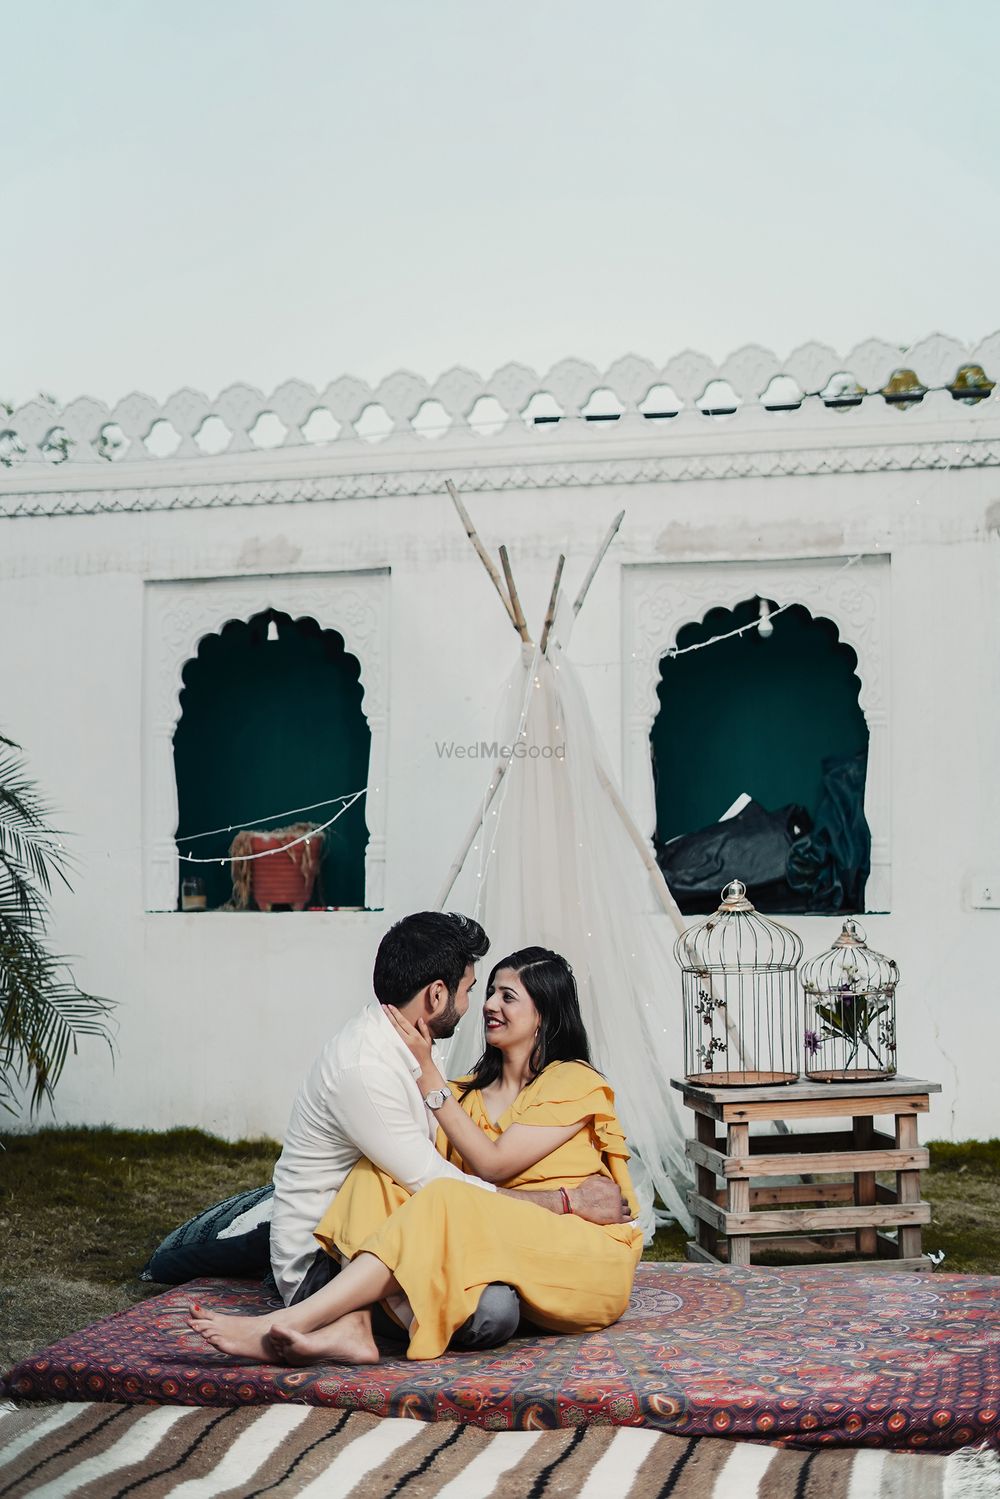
x=567, y=1205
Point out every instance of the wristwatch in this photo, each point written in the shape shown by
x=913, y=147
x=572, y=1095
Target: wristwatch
x=438, y=1097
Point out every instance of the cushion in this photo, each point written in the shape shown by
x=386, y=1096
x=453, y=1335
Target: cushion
x=230, y=1238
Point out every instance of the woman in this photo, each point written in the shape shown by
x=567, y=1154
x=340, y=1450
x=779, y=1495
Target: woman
x=534, y=1114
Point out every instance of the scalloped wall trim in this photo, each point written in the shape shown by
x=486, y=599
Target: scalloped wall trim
x=242, y=419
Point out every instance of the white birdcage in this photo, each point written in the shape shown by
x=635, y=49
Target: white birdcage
x=740, y=995
x=850, y=1010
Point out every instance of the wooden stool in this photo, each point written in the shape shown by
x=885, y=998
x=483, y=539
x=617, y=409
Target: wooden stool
x=740, y=1217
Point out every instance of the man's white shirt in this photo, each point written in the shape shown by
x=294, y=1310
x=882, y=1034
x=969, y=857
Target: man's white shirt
x=360, y=1099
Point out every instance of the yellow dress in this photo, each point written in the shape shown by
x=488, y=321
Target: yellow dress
x=450, y=1240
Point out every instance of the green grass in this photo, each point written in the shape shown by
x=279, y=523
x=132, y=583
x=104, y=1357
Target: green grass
x=82, y=1209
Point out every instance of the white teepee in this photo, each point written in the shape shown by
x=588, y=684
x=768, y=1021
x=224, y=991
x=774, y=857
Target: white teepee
x=553, y=858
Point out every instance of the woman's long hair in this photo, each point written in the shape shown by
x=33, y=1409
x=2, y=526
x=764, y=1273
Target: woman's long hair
x=562, y=1036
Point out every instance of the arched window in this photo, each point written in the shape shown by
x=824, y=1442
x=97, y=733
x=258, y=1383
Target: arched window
x=269, y=725
x=773, y=715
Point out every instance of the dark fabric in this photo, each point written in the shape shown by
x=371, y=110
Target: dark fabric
x=322, y=1270
x=753, y=847
x=808, y=1356
x=831, y=863
x=195, y=1248
x=494, y=1321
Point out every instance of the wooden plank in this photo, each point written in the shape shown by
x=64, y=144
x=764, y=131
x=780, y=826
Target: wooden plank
x=807, y=1192
x=922, y=1265
x=887, y=1087
x=700, y=1255
x=707, y=1211
x=704, y=1182
x=820, y=1141
x=864, y=1183
x=814, y=1220
x=702, y=1107
x=803, y=1244
x=819, y=1163
x=887, y=1194
x=796, y=1192
x=738, y=1191
x=826, y=1108
x=908, y=1186
x=706, y=1155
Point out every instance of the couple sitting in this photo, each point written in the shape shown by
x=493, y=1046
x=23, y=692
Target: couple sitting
x=397, y=1175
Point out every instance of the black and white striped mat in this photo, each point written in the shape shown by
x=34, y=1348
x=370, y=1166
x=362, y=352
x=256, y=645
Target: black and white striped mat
x=105, y=1451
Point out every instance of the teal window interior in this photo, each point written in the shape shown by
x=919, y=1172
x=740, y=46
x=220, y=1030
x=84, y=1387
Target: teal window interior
x=267, y=726
x=751, y=714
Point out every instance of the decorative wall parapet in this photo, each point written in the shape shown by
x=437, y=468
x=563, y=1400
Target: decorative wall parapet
x=689, y=394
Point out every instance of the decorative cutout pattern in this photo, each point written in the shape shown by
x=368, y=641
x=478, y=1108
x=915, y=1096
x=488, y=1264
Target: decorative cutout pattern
x=659, y=599
x=180, y=614
x=935, y=362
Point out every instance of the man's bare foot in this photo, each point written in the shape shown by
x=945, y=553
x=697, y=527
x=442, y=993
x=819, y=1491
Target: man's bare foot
x=347, y=1341
x=244, y=1337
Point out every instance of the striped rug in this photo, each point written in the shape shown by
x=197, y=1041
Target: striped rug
x=109, y=1451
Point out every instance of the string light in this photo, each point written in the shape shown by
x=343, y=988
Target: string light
x=284, y=847
x=233, y=827
x=755, y=624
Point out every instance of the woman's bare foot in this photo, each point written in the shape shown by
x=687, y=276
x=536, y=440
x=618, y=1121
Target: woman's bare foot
x=244, y=1337
x=346, y=1341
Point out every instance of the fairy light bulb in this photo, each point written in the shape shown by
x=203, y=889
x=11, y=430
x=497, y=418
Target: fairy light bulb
x=765, y=628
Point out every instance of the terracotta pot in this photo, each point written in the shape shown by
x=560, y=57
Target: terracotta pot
x=284, y=879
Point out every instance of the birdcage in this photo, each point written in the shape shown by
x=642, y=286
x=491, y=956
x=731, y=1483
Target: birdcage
x=850, y=1011
x=740, y=994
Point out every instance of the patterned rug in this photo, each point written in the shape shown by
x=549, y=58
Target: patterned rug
x=809, y=1357
x=102, y=1451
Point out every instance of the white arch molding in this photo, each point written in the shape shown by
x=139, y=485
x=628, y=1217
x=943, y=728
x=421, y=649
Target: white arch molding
x=180, y=613
x=660, y=598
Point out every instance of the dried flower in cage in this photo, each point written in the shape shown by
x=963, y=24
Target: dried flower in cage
x=850, y=998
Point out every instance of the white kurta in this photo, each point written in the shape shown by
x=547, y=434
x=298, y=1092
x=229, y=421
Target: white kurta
x=359, y=1099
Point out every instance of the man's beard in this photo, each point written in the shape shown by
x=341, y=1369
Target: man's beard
x=444, y=1025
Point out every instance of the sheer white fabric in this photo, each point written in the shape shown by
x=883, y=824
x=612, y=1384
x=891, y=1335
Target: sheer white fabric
x=555, y=865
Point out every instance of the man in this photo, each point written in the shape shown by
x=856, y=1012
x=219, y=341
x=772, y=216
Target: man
x=361, y=1099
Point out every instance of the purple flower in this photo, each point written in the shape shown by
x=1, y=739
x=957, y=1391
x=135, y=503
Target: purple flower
x=812, y=1043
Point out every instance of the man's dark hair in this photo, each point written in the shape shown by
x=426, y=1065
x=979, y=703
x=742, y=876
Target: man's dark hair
x=425, y=947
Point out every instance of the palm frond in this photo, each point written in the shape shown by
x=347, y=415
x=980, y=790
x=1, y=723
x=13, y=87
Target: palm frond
x=24, y=834
x=43, y=1012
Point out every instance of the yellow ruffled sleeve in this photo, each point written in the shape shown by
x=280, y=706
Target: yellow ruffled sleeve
x=570, y=1093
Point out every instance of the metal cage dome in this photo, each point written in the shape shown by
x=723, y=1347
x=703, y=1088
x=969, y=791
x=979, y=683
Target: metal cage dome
x=737, y=939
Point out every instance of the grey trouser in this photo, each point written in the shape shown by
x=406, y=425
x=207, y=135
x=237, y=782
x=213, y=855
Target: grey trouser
x=493, y=1322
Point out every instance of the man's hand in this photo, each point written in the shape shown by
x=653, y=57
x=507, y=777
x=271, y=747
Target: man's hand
x=416, y=1037
x=599, y=1201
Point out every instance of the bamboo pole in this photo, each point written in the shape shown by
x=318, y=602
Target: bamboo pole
x=609, y=538
x=520, y=623
x=550, y=612
x=484, y=555
x=478, y=820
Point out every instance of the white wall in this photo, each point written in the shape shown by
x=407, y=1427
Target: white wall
x=219, y=1015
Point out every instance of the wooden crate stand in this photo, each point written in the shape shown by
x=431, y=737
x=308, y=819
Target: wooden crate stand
x=849, y=1215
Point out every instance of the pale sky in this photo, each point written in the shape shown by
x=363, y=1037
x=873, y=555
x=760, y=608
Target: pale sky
x=199, y=193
